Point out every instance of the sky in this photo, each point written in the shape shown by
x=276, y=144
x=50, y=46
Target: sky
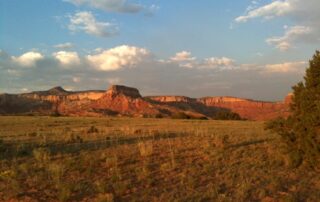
x=254, y=49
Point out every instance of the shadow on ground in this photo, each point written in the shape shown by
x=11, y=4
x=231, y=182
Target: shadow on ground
x=18, y=149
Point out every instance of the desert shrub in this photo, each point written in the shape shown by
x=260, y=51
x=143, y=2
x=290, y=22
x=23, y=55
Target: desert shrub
x=93, y=129
x=55, y=114
x=145, y=148
x=158, y=116
x=300, y=132
x=22, y=149
x=226, y=115
x=56, y=172
x=2, y=146
x=180, y=115
x=73, y=138
x=64, y=192
x=107, y=197
x=12, y=184
x=221, y=141
x=41, y=155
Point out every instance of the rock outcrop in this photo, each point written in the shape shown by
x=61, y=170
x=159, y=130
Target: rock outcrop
x=123, y=100
x=126, y=101
x=117, y=90
x=169, y=99
x=249, y=109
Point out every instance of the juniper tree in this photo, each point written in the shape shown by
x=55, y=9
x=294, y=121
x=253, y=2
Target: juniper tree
x=301, y=130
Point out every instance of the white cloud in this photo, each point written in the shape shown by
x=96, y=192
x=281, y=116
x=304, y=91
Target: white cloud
x=28, y=59
x=118, y=57
x=121, y=6
x=67, y=45
x=223, y=74
x=86, y=21
x=305, y=15
x=291, y=35
x=183, y=56
x=298, y=10
x=67, y=58
x=287, y=67
x=276, y=8
x=185, y=59
x=215, y=62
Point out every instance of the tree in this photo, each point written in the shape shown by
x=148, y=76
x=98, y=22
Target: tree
x=227, y=115
x=301, y=130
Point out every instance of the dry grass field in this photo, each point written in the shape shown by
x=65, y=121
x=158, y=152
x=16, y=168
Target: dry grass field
x=126, y=159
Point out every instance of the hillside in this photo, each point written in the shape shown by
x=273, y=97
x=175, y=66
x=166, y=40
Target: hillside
x=126, y=101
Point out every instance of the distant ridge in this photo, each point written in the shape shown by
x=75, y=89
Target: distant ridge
x=58, y=90
x=119, y=100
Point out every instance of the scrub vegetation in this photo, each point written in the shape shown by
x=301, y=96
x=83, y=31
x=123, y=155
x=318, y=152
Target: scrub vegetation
x=126, y=159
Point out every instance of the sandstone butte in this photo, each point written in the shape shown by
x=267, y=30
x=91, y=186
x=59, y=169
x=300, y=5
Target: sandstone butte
x=126, y=101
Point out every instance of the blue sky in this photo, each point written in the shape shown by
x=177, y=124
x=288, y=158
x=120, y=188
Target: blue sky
x=246, y=48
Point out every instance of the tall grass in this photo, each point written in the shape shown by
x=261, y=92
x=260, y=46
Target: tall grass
x=121, y=159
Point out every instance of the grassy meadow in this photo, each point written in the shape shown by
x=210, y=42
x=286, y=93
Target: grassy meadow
x=133, y=159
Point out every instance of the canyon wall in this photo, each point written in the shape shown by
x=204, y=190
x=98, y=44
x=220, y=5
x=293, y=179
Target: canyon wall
x=246, y=108
x=127, y=101
x=249, y=109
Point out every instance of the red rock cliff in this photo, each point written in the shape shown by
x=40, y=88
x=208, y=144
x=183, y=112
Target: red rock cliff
x=249, y=109
x=122, y=100
x=246, y=108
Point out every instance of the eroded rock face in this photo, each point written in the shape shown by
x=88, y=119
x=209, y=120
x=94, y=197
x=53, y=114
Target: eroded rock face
x=127, y=101
x=58, y=95
x=249, y=109
x=18, y=104
x=117, y=90
x=171, y=98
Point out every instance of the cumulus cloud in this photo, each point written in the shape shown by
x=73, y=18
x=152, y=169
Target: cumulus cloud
x=86, y=22
x=66, y=45
x=185, y=59
x=118, y=58
x=287, y=67
x=28, y=59
x=295, y=9
x=183, y=56
x=215, y=62
x=305, y=15
x=67, y=58
x=207, y=77
x=120, y=6
x=292, y=34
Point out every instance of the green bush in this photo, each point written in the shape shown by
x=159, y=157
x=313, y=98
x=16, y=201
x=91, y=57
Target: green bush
x=300, y=132
x=226, y=115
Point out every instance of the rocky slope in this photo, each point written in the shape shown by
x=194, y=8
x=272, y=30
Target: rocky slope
x=249, y=109
x=246, y=108
x=126, y=101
